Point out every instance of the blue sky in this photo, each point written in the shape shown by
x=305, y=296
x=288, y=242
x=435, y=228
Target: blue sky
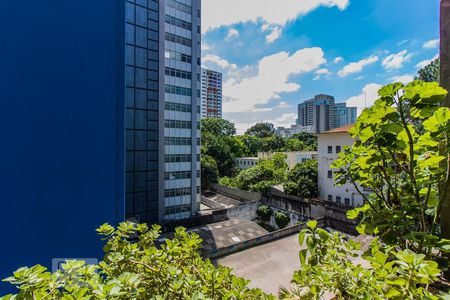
x=276, y=53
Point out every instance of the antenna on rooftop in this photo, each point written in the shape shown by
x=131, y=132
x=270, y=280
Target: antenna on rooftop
x=365, y=99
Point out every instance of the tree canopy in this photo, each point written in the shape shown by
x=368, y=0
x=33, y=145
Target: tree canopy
x=261, y=130
x=400, y=154
x=134, y=267
x=431, y=72
x=302, y=180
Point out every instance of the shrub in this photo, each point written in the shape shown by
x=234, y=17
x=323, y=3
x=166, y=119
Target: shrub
x=328, y=266
x=137, y=270
x=264, y=213
x=281, y=219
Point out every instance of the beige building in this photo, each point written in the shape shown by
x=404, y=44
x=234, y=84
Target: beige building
x=292, y=158
x=330, y=143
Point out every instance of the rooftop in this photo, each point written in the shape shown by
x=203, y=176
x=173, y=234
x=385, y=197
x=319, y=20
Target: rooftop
x=342, y=129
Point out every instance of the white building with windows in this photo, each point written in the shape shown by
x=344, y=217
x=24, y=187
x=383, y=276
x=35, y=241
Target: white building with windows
x=292, y=158
x=288, y=132
x=246, y=162
x=330, y=143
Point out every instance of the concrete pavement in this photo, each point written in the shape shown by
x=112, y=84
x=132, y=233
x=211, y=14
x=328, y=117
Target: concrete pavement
x=268, y=266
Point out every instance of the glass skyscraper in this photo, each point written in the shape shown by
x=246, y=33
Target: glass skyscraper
x=162, y=53
x=345, y=115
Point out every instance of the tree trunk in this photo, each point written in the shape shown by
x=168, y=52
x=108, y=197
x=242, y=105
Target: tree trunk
x=445, y=83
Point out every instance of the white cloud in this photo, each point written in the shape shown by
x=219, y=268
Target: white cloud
x=359, y=78
x=281, y=105
x=426, y=62
x=396, y=60
x=270, y=79
x=431, y=44
x=206, y=47
x=274, y=34
x=220, y=12
x=286, y=120
x=322, y=72
x=367, y=97
x=232, y=33
x=222, y=63
x=403, y=78
x=338, y=59
x=356, y=67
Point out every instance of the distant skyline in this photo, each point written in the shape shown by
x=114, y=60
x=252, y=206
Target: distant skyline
x=276, y=54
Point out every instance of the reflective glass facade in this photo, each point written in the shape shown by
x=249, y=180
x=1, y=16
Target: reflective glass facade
x=162, y=65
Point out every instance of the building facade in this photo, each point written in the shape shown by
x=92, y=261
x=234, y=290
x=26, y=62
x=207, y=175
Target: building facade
x=317, y=112
x=345, y=115
x=292, y=158
x=288, y=132
x=330, y=144
x=244, y=163
x=162, y=109
x=211, y=82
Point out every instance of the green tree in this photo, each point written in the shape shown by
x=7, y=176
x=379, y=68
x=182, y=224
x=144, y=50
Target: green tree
x=281, y=219
x=302, y=180
x=219, y=149
x=431, y=72
x=261, y=130
x=209, y=170
x=134, y=267
x=329, y=264
x=251, y=144
x=260, y=178
x=264, y=213
x=397, y=155
x=308, y=139
x=218, y=127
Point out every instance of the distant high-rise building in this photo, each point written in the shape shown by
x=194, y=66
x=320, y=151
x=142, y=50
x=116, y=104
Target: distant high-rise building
x=317, y=112
x=211, y=94
x=345, y=115
x=162, y=56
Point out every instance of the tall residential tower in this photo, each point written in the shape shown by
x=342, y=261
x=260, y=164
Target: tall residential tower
x=211, y=94
x=162, y=52
x=317, y=112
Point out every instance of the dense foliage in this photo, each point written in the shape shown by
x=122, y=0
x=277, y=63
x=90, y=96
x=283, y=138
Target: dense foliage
x=281, y=219
x=209, y=170
x=137, y=270
x=260, y=178
x=302, y=180
x=264, y=213
x=261, y=130
x=219, y=143
x=332, y=264
x=401, y=155
x=431, y=72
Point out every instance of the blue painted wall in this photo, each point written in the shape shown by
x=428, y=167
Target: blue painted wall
x=61, y=128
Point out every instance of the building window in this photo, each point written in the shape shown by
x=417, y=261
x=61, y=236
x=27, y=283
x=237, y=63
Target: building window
x=330, y=198
x=338, y=149
x=330, y=174
x=338, y=199
x=347, y=201
x=330, y=149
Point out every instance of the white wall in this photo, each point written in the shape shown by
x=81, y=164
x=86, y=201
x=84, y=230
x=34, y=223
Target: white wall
x=326, y=185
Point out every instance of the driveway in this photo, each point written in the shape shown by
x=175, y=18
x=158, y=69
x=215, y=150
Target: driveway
x=268, y=266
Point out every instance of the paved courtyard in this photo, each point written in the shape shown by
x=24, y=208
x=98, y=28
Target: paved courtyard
x=268, y=266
